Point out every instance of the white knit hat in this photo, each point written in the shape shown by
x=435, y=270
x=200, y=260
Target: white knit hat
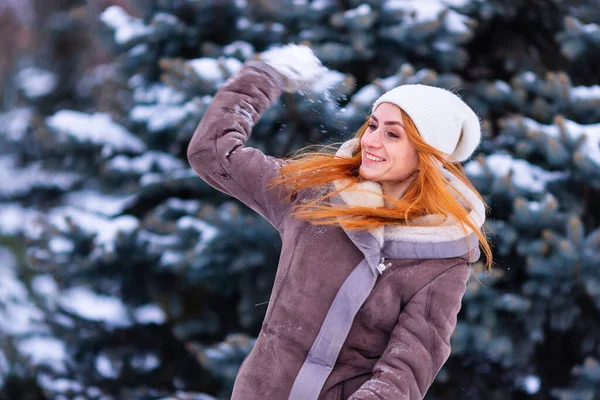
x=440, y=116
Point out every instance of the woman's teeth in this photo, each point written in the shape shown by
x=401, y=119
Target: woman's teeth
x=373, y=158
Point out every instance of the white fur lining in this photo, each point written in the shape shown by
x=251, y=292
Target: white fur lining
x=441, y=229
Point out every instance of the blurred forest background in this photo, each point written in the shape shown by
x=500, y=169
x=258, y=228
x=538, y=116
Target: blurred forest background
x=124, y=276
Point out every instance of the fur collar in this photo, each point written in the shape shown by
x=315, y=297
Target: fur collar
x=432, y=228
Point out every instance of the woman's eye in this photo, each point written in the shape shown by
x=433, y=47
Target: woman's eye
x=393, y=135
x=372, y=127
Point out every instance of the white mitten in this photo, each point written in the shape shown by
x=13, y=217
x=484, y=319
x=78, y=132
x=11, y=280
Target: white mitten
x=298, y=65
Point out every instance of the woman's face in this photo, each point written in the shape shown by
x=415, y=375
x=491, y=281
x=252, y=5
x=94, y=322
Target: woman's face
x=388, y=155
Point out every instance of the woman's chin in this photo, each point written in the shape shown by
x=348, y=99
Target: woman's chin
x=367, y=175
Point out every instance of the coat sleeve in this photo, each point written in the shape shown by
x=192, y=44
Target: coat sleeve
x=420, y=342
x=217, y=153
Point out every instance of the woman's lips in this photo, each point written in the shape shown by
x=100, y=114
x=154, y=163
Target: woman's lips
x=371, y=158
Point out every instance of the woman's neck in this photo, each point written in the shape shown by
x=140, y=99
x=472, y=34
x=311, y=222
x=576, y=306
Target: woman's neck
x=396, y=190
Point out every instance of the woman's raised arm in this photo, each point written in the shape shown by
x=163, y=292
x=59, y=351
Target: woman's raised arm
x=217, y=152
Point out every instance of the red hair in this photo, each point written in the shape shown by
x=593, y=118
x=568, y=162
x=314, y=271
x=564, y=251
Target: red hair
x=429, y=193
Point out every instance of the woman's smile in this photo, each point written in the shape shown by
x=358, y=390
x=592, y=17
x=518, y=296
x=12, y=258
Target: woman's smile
x=371, y=158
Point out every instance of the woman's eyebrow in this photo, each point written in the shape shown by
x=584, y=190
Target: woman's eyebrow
x=388, y=122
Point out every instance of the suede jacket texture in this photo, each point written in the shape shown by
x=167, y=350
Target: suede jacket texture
x=395, y=342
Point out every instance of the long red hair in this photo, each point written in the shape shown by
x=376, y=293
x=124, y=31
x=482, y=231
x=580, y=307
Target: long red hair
x=429, y=193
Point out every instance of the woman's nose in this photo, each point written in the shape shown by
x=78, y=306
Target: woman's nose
x=372, y=139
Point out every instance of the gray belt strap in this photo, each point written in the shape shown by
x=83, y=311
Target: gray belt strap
x=326, y=347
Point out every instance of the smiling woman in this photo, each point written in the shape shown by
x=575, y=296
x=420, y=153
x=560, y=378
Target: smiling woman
x=364, y=306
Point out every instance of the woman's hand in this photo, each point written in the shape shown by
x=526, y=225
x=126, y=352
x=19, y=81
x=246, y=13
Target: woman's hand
x=297, y=64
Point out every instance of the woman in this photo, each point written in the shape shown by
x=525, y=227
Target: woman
x=376, y=239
